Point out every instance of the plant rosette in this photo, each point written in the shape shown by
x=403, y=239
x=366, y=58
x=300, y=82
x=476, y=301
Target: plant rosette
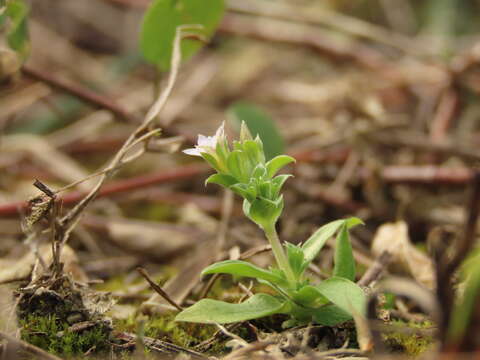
x=243, y=170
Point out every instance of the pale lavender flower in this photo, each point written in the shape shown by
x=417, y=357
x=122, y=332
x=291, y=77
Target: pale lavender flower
x=207, y=144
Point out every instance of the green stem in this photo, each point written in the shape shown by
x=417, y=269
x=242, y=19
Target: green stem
x=280, y=257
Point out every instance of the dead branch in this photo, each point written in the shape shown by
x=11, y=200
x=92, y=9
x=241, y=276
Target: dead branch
x=376, y=270
x=92, y=98
x=120, y=186
x=158, y=288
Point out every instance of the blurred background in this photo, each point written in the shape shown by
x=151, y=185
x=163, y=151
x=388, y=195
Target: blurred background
x=376, y=99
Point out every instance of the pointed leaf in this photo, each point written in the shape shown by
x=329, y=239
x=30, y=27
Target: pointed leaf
x=296, y=258
x=221, y=179
x=278, y=182
x=277, y=163
x=244, y=191
x=242, y=268
x=17, y=34
x=213, y=311
x=254, y=151
x=317, y=240
x=462, y=316
x=344, y=260
x=259, y=171
x=353, y=221
x=245, y=132
x=343, y=293
x=211, y=160
x=236, y=164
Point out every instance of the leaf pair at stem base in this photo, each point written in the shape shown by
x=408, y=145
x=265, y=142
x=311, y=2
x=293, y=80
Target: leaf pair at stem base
x=330, y=302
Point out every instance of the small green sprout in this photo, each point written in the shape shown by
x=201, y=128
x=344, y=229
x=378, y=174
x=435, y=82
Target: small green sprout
x=244, y=170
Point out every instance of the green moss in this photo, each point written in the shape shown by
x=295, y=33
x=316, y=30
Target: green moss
x=50, y=318
x=163, y=327
x=180, y=333
x=53, y=335
x=411, y=344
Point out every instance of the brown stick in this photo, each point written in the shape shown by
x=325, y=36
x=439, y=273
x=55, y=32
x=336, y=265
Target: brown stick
x=158, y=289
x=390, y=174
x=427, y=174
x=92, y=98
x=120, y=186
x=442, y=121
x=377, y=268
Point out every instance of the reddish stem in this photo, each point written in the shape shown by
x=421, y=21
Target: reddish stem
x=119, y=186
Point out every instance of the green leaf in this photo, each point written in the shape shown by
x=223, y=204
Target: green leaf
x=296, y=259
x=213, y=311
x=211, y=160
x=259, y=123
x=317, y=240
x=221, y=179
x=254, y=151
x=343, y=259
x=461, y=316
x=309, y=296
x=264, y=212
x=162, y=19
x=17, y=34
x=330, y=315
x=278, y=182
x=242, y=268
x=235, y=164
x=259, y=171
x=245, y=132
x=353, y=221
x=244, y=191
x=343, y=293
x=277, y=163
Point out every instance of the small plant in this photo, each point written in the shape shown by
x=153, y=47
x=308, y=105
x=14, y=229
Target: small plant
x=245, y=171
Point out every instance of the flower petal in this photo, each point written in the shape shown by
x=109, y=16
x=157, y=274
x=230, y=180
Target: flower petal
x=193, y=152
x=207, y=141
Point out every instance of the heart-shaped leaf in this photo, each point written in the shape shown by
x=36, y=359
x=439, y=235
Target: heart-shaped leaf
x=162, y=19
